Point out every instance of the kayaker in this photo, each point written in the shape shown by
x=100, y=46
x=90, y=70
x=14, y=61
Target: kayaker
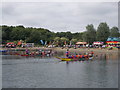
x=43, y=53
x=27, y=51
x=77, y=56
x=91, y=54
x=67, y=53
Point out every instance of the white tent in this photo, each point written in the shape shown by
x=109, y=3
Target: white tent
x=98, y=43
x=78, y=43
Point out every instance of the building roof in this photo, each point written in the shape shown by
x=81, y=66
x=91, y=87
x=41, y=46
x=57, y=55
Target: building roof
x=113, y=39
x=81, y=43
x=98, y=43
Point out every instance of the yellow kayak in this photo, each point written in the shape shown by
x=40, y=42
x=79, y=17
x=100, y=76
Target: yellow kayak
x=69, y=59
x=65, y=59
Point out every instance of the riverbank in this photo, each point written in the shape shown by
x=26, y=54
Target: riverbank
x=23, y=49
x=112, y=54
x=87, y=50
x=58, y=49
x=61, y=51
x=96, y=51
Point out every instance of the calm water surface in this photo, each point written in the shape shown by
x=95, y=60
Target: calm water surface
x=36, y=72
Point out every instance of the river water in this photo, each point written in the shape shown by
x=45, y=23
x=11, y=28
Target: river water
x=49, y=72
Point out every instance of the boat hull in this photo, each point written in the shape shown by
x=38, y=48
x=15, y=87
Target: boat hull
x=75, y=59
x=66, y=59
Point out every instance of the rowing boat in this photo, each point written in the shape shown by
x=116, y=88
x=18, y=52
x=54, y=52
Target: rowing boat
x=65, y=59
x=74, y=59
x=24, y=55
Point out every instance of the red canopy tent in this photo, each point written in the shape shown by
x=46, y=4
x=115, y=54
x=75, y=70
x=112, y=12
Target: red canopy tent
x=10, y=43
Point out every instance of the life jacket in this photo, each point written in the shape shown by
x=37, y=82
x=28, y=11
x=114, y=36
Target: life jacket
x=72, y=56
x=43, y=53
x=80, y=56
x=92, y=52
x=67, y=53
x=85, y=55
x=77, y=55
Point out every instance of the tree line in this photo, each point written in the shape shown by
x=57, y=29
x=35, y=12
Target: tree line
x=34, y=35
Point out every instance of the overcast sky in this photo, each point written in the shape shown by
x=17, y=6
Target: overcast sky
x=60, y=16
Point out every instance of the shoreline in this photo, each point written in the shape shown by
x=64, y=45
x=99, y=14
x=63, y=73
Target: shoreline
x=114, y=53
x=84, y=50
x=114, y=50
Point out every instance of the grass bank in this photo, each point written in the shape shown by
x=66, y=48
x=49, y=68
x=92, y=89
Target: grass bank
x=84, y=50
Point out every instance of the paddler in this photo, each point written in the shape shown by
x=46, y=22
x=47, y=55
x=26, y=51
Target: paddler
x=27, y=51
x=91, y=53
x=43, y=53
x=67, y=53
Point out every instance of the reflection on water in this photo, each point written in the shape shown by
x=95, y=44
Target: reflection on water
x=49, y=72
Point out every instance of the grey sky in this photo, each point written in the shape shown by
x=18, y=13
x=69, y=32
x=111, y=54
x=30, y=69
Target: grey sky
x=60, y=16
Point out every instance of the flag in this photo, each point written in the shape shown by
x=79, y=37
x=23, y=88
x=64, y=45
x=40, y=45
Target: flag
x=42, y=42
x=70, y=42
x=45, y=42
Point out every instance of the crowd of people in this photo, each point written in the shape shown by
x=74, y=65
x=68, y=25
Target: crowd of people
x=79, y=55
x=39, y=52
x=90, y=46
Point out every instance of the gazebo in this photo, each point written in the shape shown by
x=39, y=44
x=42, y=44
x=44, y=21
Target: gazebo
x=81, y=43
x=98, y=43
x=113, y=41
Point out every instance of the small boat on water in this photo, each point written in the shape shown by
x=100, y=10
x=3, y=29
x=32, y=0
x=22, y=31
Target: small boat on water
x=65, y=59
x=74, y=59
x=24, y=55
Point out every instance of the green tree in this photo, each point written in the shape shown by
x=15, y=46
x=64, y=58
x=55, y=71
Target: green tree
x=73, y=41
x=35, y=37
x=85, y=36
x=114, y=32
x=57, y=40
x=103, y=32
x=68, y=35
x=64, y=41
x=18, y=33
x=6, y=32
x=90, y=35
